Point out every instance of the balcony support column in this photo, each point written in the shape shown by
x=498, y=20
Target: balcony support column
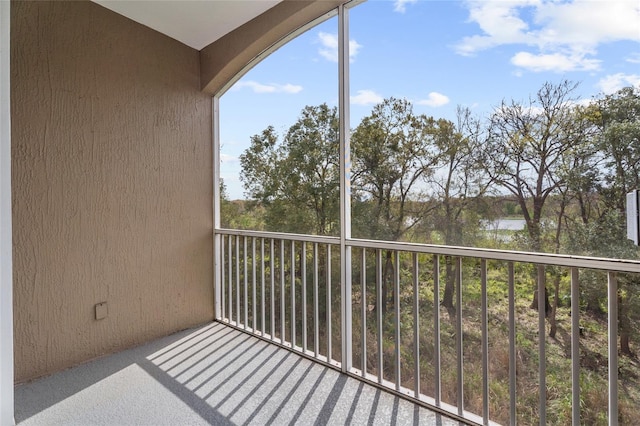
x=217, y=248
x=6, y=245
x=345, y=187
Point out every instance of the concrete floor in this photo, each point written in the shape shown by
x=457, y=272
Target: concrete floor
x=210, y=375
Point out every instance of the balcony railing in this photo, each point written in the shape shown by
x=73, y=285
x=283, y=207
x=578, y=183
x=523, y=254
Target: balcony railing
x=393, y=332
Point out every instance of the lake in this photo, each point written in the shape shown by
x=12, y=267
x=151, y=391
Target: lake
x=504, y=225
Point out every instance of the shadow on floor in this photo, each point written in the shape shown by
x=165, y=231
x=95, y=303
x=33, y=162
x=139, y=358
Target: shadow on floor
x=210, y=375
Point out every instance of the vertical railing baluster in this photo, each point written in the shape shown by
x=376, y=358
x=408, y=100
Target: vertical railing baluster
x=575, y=348
x=328, y=283
x=416, y=327
x=283, y=309
x=542, y=340
x=613, y=346
x=273, y=291
x=512, y=344
x=230, y=249
x=238, y=312
x=436, y=330
x=246, y=283
x=262, y=278
x=379, y=312
x=346, y=309
x=254, y=315
x=485, y=342
x=459, y=342
x=316, y=319
x=303, y=272
x=293, y=294
x=364, y=307
x=396, y=296
x=223, y=279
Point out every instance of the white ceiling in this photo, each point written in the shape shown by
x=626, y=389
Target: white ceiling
x=194, y=23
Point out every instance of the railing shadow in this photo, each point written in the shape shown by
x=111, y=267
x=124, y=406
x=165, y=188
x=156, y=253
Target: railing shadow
x=223, y=376
x=38, y=395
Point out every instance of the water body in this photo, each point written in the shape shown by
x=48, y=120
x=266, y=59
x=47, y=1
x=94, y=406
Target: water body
x=505, y=225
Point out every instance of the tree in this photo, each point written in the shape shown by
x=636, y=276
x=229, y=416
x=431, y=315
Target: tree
x=235, y=215
x=458, y=186
x=619, y=122
x=297, y=179
x=528, y=145
x=578, y=172
x=393, y=152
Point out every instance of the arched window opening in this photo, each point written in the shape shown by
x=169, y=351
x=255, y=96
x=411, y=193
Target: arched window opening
x=454, y=173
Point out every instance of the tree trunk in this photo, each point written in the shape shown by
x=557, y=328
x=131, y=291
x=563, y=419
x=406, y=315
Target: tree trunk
x=449, y=287
x=556, y=275
x=547, y=305
x=554, y=308
x=625, y=327
x=387, y=278
x=533, y=229
x=625, y=349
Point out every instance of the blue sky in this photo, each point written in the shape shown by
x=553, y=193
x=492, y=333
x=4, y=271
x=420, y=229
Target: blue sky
x=438, y=54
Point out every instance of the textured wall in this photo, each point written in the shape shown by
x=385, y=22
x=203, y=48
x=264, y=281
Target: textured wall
x=112, y=166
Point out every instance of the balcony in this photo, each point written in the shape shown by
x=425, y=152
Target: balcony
x=213, y=374
x=285, y=349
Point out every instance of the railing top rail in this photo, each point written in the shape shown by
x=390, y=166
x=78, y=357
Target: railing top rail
x=619, y=265
x=565, y=260
x=280, y=236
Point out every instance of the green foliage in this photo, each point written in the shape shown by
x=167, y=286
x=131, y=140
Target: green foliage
x=528, y=147
x=563, y=168
x=393, y=151
x=618, y=118
x=460, y=183
x=296, y=179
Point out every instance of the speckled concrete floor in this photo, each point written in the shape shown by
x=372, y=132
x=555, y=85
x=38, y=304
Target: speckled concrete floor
x=210, y=375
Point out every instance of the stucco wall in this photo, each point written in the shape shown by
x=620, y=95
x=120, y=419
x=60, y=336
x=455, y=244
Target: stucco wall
x=111, y=170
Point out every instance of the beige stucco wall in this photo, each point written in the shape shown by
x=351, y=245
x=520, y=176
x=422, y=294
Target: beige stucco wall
x=112, y=166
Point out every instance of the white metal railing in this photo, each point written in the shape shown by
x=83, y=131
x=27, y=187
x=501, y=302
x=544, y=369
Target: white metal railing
x=263, y=279
x=286, y=288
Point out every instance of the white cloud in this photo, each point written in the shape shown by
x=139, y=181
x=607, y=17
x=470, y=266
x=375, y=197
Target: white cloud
x=434, y=99
x=268, y=88
x=401, y=5
x=556, y=62
x=366, y=97
x=573, y=29
x=329, y=47
x=634, y=58
x=589, y=23
x=499, y=22
x=226, y=158
x=612, y=83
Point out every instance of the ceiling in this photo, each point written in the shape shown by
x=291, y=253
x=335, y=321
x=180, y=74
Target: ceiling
x=194, y=23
